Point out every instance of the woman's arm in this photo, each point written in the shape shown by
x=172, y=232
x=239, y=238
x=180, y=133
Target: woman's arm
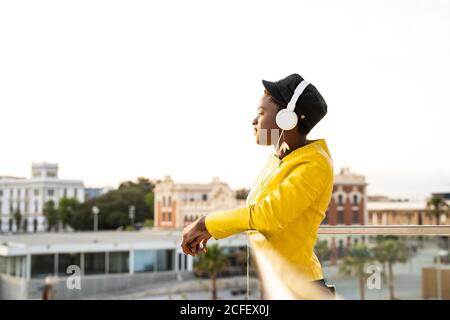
x=280, y=207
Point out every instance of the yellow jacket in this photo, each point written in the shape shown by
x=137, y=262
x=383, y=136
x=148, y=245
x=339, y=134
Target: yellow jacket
x=284, y=211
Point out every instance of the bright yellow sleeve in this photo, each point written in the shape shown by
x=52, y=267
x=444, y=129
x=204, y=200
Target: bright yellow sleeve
x=281, y=206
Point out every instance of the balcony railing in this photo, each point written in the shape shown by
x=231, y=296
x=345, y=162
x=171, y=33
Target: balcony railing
x=272, y=287
x=391, y=230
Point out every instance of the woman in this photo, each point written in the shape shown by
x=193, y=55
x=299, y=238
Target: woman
x=289, y=200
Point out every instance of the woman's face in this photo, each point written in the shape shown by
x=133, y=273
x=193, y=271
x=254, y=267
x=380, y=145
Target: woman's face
x=264, y=124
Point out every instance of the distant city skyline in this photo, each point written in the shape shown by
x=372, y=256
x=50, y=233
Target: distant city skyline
x=112, y=91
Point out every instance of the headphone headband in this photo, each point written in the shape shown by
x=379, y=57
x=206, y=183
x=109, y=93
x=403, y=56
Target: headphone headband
x=298, y=91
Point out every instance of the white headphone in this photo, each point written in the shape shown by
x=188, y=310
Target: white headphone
x=287, y=119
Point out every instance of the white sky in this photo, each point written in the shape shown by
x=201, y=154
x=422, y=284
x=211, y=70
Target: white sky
x=112, y=90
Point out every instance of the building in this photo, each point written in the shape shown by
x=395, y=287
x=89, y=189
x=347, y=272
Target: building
x=348, y=202
x=28, y=196
x=178, y=204
x=385, y=211
x=106, y=262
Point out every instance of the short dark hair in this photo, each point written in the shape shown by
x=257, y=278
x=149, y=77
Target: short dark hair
x=283, y=106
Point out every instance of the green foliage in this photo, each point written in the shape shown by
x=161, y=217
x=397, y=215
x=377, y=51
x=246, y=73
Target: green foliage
x=322, y=250
x=18, y=219
x=148, y=223
x=354, y=263
x=114, y=206
x=66, y=210
x=51, y=214
x=212, y=263
x=437, y=207
x=242, y=194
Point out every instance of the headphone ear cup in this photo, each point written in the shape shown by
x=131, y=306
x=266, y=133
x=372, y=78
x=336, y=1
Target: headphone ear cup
x=286, y=119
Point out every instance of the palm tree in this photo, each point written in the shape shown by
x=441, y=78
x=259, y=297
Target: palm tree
x=322, y=250
x=354, y=265
x=436, y=207
x=390, y=251
x=213, y=262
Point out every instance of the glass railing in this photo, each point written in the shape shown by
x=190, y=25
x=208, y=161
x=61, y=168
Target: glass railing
x=370, y=262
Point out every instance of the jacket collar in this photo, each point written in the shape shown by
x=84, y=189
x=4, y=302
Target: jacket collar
x=308, y=146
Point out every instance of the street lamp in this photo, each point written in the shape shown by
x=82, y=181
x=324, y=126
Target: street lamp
x=95, y=211
x=131, y=211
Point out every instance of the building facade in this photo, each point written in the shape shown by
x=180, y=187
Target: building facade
x=348, y=204
x=27, y=197
x=384, y=211
x=106, y=262
x=178, y=204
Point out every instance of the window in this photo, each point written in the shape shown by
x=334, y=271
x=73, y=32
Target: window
x=204, y=197
x=36, y=174
x=51, y=174
x=35, y=225
x=355, y=216
x=95, y=263
x=50, y=192
x=75, y=193
x=170, y=201
x=164, y=201
x=36, y=207
x=340, y=217
x=340, y=199
x=18, y=192
x=65, y=193
x=36, y=192
x=355, y=199
x=118, y=262
x=144, y=260
x=3, y=263
x=65, y=260
x=16, y=265
x=169, y=216
x=165, y=261
x=42, y=265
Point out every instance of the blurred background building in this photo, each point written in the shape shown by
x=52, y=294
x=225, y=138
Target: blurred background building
x=178, y=204
x=22, y=199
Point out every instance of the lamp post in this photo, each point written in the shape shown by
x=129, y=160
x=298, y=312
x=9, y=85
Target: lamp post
x=95, y=212
x=131, y=211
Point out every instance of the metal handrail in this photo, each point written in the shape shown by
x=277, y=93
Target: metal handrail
x=395, y=230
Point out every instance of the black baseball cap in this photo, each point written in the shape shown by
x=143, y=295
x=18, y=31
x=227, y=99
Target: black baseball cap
x=310, y=107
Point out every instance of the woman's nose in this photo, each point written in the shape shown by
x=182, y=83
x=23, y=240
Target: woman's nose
x=255, y=121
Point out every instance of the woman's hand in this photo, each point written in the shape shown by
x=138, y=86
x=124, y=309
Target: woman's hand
x=195, y=237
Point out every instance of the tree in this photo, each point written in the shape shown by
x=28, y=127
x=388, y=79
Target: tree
x=242, y=194
x=437, y=207
x=51, y=214
x=322, y=250
x=18, y=219
x=66, y=209
x=213, y=262
x=390, y=250
x=354, y=265
x=114, y=206
x=149, y=201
